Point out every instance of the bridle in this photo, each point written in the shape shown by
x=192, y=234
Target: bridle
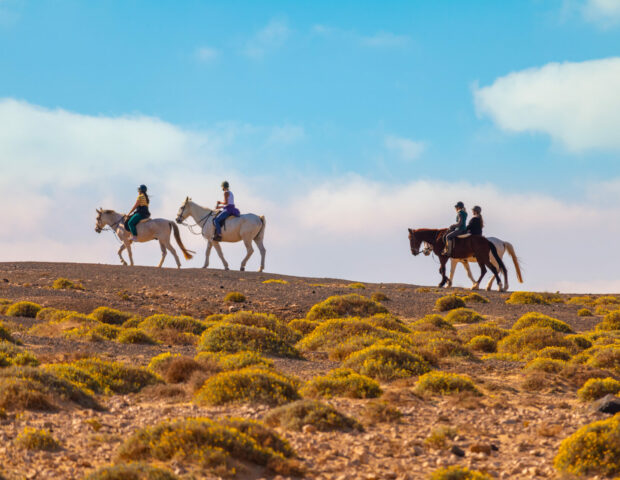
x=111, y=228
x=201, y=223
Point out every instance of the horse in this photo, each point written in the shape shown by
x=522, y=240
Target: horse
x=474, y=245
x=247, y=228
x=155, y=229
x=501, y=247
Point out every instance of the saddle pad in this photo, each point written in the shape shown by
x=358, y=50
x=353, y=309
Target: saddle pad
x=144, y=220
x=465, y=235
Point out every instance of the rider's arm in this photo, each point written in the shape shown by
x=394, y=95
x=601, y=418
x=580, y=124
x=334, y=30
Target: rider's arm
x=225, y=202
x=133, y=208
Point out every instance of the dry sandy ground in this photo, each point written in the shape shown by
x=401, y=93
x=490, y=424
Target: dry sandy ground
x=509, y=432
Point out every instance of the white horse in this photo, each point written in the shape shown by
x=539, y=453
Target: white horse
x=501, y=247
x=247, y=228
x=155, y=229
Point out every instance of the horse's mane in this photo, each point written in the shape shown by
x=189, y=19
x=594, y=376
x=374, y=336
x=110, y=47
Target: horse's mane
x=108, y=211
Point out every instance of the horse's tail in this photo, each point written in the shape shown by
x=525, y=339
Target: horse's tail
x=261, y=233
x=498, y=259
x=515, y=259
x=177, y=237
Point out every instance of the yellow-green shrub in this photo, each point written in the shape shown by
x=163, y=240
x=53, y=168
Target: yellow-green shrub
x=456, y=472
x=333, y=332
x=344, y=349
x=231, y=337
x=134, y=336
x=596, y=388
x=579, y=341
x=66, y=284
x=548, y=365
x=592, y=450
x=178, y=323
x=463, y=315
x=440, y=437
x=387, y=363
x=235, y=297
x=443, y=347
x=5, y=335
x=389, y=322
x=23, y=309
x=276, y=280
x=584, y=312
x=239, y=360
x=342, y=382
x=53, y=314
x=444, y=383
x=303, y=325
x=607, y=356
x=581, y=300
x=610, y=322
x=33, y=439
x=249, y=385
x=449, y=302
x=341, y=306
x=379, y=297
x=296, y=415
x=531, y=339
x=159, y=363
x=527, y=298
x=131, y=471
x=490, y=329
x=263, y=320
x=607, y=300
x=482, y=343
x=110, y=315
x=380, y=411
x=11, y=354
x=556, y=353
x=430, y=323
x=475, y=298
x=535, y=319
x=357, y=285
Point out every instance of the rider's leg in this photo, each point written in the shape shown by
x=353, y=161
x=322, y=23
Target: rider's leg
x=219, y=221
x=133, y=223
x=449, y=243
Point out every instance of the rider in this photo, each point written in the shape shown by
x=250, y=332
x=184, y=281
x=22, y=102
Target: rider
x=476, y=224
x=141, y=207
x=228, y=209
x=459, y=228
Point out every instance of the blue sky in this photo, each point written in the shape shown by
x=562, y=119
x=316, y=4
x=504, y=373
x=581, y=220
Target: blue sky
x=294, y=92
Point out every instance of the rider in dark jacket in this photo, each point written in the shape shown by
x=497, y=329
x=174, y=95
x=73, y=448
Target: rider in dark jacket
x=459, y=228
x=476, y=224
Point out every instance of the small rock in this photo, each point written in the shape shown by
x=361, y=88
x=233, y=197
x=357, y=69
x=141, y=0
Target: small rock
x=308, y=429
x=608, y=404
x=458, y=451
x=481, y=448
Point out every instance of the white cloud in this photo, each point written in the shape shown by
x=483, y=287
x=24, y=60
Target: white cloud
x=603, y=12
x=405, y=148
x=347, y=227
x=377, y=40
x=269, y=38
x=286, y=135
x=576, y=104
x=206, y=54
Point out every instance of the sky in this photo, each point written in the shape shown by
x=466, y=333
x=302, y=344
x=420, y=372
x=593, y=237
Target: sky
x=344, y=123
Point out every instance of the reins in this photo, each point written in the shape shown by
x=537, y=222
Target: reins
x=198, y=223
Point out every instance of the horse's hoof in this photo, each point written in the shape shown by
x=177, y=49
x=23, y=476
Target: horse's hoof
x=226, y=268
x=242, y=269
x=475, y=287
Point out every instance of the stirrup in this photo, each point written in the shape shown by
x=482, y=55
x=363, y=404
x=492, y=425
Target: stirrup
x=217, y=238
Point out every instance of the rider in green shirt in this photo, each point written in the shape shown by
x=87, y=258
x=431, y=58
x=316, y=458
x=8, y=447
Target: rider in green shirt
x=459, y=228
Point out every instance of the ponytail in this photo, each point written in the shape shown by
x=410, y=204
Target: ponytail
x=147, y=197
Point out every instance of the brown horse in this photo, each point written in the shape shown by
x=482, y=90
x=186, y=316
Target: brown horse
x=473, y=246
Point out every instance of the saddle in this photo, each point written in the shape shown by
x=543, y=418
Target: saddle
x=465, y=235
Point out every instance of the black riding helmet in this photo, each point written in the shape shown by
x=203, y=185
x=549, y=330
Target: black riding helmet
x=477, y=209
x=459, y=205
x=225, y=184
x=142, y=189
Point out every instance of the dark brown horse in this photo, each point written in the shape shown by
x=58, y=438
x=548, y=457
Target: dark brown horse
x=473, y=246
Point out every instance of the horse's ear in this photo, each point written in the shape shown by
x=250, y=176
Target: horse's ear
x=410, y=230
x=99, y=210
x=186, y=199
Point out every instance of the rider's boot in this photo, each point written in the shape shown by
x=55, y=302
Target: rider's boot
x=447, y=251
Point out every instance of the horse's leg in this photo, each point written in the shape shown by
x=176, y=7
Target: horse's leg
x=471, y=277
x=163, y=253
x=483, y=271
x=218, y=249
x=130, y=254
x=442, y=271
x=248, y=246
x=453, y=264
x=120, y=254
x=207, y=253
x=495, y=276
x=263, y=251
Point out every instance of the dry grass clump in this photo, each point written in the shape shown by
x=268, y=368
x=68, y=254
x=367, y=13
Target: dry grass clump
x=536, y=319
x=449, y=302
x=23, y=309
x=323, y=417
x=110, y=315
x=379, y=297
x=204, y=443
x=379, y=411
x=444, y=383
x=342, y=382
x=388, y=322
x=53, y=314
x=239, y=360
x=584, y=312
x=548, y=365
x=131, y=471
x=490, y=329
x=442, y=347
x=333, y=332
x=66, y=284
x=581, y=300
x=430, y=323
x=263, y=320
x=527, y=298
x=592, y=450
x=482, y=343
x=33, y=439
x=475, y=298
x=303, y=325
x=232, y=337
x=234, y=297
x=5, y=335
x=264, y=436
x=159, y=363
x=556, y=353
x=341, y=306
x=458, y=473
x=605, y=309
x=579, y=342
x=596, y=388
x=181, y=369
x=276, y=280
x=248, y=385
x=531, y=339
x=11, y=354
x=440, y=438
x=387, y=362
x=610, y=322
x=607, y=300
x=31, y=388
x=463, y=315
x=607, y=356
x=134, y=336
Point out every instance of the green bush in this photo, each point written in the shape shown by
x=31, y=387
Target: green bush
x=379, y=411
x=239, y=360
x=584, y=312
x=489, y=329
x=303, y=325
x=444, y=383
x=131, y=471
x=388, y=322
x=607, y=300
x=333, y=332
x=379, y=297
x=11, y=354
x=535, y=319
x=160, y=363
x=607, y=356
x=592, y=450
x=548, y=365
x=323, y=417
x=463, y=315
x=482, y=343
x=527, y=298
x=440, y=437
x=234, y=297
x=341, y=306
x=5, y=335
x=531, y=339
x=442, y=347
x=387, y=363
x=263, y=320
x=23, y=309
x=110, y=315
x=33, y=439
x=556, y=353
x=168, y=322
x=596, y=388
x=53, y=314
x=449, y=302
x=275, y=280
x=344, y=349
x=475, y=298
x=342, y=382
x=134, y=336
x=230, y=337
x=610, y=322
x=458, y=473
x=357, y=285
x=66, y=284
x=579, y=341
x=431, y=323
x=249, y=385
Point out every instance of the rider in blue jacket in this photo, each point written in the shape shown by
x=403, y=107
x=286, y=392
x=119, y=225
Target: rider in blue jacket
x=459, y=228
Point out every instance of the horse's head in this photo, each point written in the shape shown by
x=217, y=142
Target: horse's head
x=99, y=224
x=183, y=211
x=414, y=242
